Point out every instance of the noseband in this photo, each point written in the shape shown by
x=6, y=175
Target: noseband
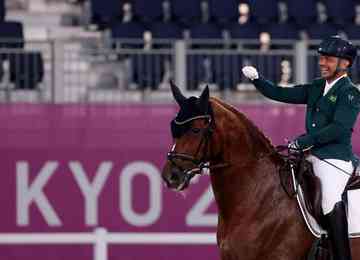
x=200, y=162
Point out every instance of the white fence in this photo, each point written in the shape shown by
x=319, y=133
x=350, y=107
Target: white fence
x=100, y=239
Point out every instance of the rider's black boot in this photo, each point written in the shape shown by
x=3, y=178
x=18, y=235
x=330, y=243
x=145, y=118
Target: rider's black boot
x=338, y=232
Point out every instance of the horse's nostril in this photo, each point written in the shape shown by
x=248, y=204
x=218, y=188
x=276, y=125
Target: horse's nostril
x=174, y=177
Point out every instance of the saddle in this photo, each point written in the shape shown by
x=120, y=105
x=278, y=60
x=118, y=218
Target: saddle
x=310, y=183
x=311, y=189
x=306, y=179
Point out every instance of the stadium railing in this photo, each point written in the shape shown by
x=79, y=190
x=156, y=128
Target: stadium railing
x=94, y=70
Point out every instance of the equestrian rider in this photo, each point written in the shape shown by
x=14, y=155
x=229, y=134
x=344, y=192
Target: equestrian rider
x=333, y=103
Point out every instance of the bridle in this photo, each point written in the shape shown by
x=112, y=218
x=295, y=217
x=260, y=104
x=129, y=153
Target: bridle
x=202, y=161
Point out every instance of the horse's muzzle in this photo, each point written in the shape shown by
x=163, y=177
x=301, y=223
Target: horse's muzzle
x=174, y=178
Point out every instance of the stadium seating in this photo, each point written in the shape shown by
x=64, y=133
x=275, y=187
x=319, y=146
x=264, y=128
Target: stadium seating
x=283, y=31
x=248, y=30
x=224, y=11
x=161, y=30
x=227, y=70
x=11, y=35
x=221, y=70
x=2, y=10
x=26, y=69
x=186, y=12
x=352, y=31
x=340, y=12
x=148, y=69
x=199, y=69
x=131, y=30
x=269, y=65
x=147, y=10
x=205, y=31
x=321, y=31
x=303, y=13
x=105, y=13
x=264, y=11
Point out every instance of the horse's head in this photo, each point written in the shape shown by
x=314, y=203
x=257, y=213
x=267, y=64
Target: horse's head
x=191, y=130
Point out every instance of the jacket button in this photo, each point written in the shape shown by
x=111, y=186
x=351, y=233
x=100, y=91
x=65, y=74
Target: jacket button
x=317, y=109
x=313, y=125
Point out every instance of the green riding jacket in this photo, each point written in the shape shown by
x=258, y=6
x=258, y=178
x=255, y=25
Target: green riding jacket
x=330, y=119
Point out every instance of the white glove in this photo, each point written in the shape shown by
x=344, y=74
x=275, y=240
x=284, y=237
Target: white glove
x=250, y=72
x=294, y=146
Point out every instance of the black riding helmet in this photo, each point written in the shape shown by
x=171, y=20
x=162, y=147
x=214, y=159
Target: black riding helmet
x=337, y=47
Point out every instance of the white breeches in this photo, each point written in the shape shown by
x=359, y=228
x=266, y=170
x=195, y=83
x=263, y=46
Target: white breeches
x=333, y=180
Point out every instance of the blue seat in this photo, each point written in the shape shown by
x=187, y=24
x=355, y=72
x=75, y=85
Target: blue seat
x=264, y=11
x=11, y=35
x=162, y=30
x=105, y=13
x=148, y=69
x=303, y=12
x=199, y=70
x=131, y=30
x=186, y=12
x=2, y=10
x=354, y=71
x=271, y=66
x=26, y=69
x=285, y=31
x=340, y=12
x=224, y=11
x=222, y=70
x=148, y=10
x=312, y=67
x=248, y=30
x=321, y=31
x=205, y=31
x=352, y=31
x=226, y=71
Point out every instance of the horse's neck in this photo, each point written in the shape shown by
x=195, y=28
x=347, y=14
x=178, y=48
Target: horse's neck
x=254, y=210
x=251, y=184
x=238, y=138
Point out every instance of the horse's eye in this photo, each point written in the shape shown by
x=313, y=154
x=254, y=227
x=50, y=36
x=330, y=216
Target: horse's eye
x=195, y=130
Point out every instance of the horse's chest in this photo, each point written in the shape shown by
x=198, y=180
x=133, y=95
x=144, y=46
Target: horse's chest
x=233, y=247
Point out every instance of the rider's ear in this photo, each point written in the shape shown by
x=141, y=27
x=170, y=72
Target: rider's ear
x=179, y=97
x=204, y=99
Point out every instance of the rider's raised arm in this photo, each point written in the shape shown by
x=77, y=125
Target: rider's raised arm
x=294, y=95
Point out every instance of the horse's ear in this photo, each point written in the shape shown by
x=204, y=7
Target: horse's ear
x=179, y=97
x=204, y=98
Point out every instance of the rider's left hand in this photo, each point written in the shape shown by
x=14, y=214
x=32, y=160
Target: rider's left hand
x=298, y=146
x=294, y=146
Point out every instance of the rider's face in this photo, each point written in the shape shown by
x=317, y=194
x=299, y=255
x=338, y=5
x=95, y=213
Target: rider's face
x=328, y=66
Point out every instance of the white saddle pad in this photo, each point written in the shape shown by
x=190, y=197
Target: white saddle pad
x=353, y=215
x=354, y=212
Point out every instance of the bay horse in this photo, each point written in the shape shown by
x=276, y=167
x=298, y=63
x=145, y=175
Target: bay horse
x=257, y=220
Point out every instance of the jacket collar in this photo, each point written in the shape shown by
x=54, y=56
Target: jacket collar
x=338, y=85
